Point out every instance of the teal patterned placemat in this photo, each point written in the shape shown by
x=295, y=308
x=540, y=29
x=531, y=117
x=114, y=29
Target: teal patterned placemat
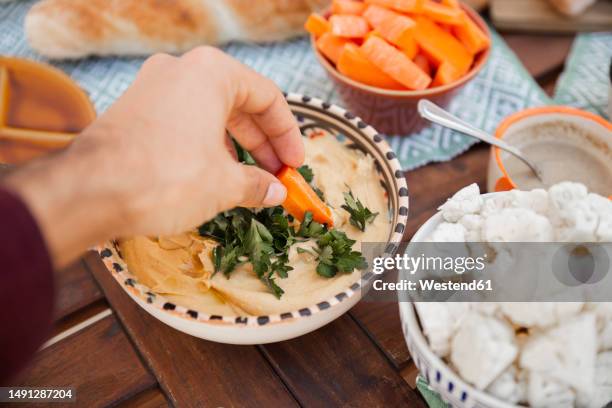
x=429, y=395
x=503, y=87
x=585, y=81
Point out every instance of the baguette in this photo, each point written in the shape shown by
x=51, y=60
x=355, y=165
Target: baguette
x=70, y=29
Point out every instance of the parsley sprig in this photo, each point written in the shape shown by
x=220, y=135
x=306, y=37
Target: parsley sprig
x=360, y=215
x=308, y=175
x=335, y=254
x=264, y=238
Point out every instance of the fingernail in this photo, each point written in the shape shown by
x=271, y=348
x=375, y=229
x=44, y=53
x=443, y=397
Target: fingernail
x=275, y=195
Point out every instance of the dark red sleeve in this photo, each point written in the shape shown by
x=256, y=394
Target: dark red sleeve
x=26, y=286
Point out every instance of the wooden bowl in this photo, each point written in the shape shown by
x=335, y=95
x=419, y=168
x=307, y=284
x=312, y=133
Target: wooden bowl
x=394, y=112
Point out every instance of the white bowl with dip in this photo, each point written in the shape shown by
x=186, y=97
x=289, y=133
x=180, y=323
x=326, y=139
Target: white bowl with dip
x=312, y=115
x=565, y=143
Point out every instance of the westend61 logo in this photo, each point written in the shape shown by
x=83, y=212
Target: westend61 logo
x=495, y=272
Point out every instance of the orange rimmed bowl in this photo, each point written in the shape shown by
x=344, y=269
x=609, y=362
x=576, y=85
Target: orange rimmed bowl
x=41, y=110
x=394, y=112
x=511, y=127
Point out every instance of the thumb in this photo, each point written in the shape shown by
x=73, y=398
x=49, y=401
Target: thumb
x=260, y=188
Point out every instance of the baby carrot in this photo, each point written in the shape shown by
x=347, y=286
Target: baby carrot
x=451, y=3
x=347, y=7
x=441, y=13
x=348, y=26
x=439, y=45
x=375, y=15
x=472, y=37
x=394, y=63
x=410, y=47
x=302, y=198
x=355, y=66
x=446, y=74
x=331, y=46
x=398, y=30
x=423, y=63
x=405, y=6
x=317, y=25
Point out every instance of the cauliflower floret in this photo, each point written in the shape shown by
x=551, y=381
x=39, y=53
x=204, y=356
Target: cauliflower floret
x=447, y=232
x=482, y=349
x=473, y=226
x=603, y=314
x=545, y=392
x=509, y=387
x=577, y=224
x=517, y=225
x=496, y=203
x=602, y=394
x=571, y=212
x=536, y=200
x=604, y=336
x=539, y=314
x=562, y=196
x=439, y=322
x=487, y=308
x=565, y=353
x=603, y=207
x=465, y=201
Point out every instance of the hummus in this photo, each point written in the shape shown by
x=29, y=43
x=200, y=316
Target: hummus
x=181, y=268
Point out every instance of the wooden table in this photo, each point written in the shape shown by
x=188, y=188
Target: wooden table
x=114, y=353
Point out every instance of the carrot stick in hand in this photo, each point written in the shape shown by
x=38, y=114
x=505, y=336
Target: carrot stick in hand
x=302, y=198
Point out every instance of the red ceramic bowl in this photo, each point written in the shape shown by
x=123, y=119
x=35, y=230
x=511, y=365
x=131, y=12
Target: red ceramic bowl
x=394, y=112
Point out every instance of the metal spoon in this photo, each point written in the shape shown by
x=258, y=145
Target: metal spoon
x=432, y=112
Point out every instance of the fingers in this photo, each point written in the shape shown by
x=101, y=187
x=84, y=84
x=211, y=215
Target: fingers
x=244, y=128
x=258, y=115
x=263, y=101
x=260, y=188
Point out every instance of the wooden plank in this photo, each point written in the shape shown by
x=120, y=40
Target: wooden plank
x=542, y=55
x=99, y=362
x=76, y=289
x=432, y=185
x=382, y=323
x=540, y=16
x=152, y=398
x=410, y=374
x=338, y=365
x=191, y=371
x=78, y=317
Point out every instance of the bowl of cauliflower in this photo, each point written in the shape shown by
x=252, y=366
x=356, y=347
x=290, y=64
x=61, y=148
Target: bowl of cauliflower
x=505, y=354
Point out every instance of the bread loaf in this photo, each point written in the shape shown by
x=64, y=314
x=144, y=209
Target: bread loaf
x=69, y=29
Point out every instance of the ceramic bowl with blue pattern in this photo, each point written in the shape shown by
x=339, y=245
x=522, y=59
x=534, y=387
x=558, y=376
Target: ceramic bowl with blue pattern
x=311, y=114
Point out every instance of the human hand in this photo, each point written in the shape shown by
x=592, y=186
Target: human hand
x=158, y=161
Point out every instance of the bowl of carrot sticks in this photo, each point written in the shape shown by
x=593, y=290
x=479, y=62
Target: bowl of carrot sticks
x=386, y=55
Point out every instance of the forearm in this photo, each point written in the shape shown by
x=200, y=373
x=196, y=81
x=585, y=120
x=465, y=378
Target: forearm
x=72, y=206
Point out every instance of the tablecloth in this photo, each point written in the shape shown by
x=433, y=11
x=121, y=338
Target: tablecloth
x=504, y=86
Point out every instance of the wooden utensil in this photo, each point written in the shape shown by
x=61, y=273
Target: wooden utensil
x=41, y=110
